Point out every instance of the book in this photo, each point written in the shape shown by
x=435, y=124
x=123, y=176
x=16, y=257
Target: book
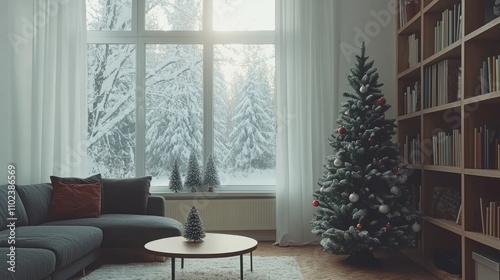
x=491, y=10
x=459, y=216
x=483, y=224
x=493, y=214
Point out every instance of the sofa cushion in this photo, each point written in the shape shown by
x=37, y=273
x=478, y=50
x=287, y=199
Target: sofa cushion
x=125, y=196
x=67, y=243
x=31, y=263
x=8, y=197
x=73, y=201
x=126, y=230
x=37, y=199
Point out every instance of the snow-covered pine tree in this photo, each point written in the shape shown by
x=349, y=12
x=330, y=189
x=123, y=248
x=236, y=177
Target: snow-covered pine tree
x=175, y=184
x=364, y=202
x=193, y=228
x=193, y=178
x=252, y=141
x=210, y=176
x=174, y=96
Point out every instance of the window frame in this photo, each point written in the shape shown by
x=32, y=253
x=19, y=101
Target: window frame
x=206, y=37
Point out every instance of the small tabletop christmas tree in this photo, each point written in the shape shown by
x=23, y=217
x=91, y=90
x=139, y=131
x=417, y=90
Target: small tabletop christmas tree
x=175, y=179
x=364, y=202
x=210, y=176
x=193, y=229
x=193, y=177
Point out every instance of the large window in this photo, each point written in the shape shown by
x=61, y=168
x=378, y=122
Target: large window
x=167, y=78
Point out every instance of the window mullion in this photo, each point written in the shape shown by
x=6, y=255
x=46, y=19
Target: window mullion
x=140, y=138
x=208, y=108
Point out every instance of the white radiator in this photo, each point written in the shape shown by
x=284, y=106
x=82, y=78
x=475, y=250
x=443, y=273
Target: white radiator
x=227, y=214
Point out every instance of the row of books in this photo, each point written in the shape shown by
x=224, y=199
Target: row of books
x=490, y=217
x=490, y=75
x=446, y=148
x=442, y=83
x=447, y=30
x=411, y=150
x=411, y=99
x=414, y=50
x=487, y=147
x=407, y=10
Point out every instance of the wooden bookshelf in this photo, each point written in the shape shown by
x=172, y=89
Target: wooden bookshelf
x=477, y=105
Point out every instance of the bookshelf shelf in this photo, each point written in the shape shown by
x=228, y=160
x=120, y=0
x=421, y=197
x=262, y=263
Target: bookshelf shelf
x=446, y=224
x=449, y=169
x=488, y=31
x=437, y=6
x=487, y=240
x=412, y=26
x=459, y=135
x=448, y=106
x=491, y=173
x=409, y=116
x=492, y=96
x=452, y=51
x=413, y=72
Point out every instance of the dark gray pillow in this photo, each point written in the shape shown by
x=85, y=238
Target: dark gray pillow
x=18, y=209
x=125, y=196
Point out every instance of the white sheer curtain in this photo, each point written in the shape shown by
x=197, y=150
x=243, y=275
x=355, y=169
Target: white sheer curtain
x=307, y=49
x=47, y=126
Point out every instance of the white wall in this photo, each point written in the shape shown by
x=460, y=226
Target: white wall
x=5, y=92
x=371, y=21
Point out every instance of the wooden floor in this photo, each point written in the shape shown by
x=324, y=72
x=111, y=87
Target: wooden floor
x=316, y=264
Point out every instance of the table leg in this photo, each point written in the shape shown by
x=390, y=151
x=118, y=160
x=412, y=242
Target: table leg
x=182, y=263
x=241, y=267
x=173, y=268
x=251, y=262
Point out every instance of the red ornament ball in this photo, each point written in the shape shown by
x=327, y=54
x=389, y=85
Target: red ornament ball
x=395, y=170
x=388, y=226
x=381, y=101
x=342, y=130
x=315, y=203
x=359, y=226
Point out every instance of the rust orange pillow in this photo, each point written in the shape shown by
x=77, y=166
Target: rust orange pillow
x=75, y=201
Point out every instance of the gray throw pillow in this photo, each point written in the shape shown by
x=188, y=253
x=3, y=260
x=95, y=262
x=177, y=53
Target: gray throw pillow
x=125, y=196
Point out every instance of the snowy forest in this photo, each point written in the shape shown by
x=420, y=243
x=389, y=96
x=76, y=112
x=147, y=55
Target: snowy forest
x=244, y=125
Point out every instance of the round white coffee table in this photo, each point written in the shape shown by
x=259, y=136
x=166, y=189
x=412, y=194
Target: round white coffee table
x=214, y=245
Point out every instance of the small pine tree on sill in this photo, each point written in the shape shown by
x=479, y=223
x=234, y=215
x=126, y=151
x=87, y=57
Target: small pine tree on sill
x=210, y=176
x=193, y=177
x=175, y=184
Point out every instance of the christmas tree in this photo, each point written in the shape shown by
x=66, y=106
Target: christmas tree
x=193, y=229
x=193, y=177
x=364, y=202
x=210, y=176
x=175, y=179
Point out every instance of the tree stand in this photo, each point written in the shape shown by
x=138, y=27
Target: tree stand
x=363, y=258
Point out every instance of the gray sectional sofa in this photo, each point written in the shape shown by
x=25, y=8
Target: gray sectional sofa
x=58, y=249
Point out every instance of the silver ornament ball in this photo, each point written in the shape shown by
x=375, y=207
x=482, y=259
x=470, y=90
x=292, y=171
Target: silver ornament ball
x=363, y=89
x=416, y=227
x=353, y=197
x=384, y=208
x=337, y=162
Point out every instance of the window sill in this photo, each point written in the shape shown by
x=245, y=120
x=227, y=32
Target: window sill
x=217, y=195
